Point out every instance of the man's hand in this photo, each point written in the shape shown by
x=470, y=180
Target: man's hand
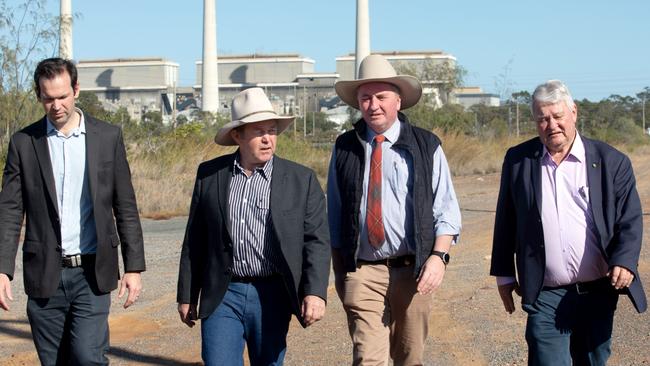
x=133, y=282
x=621, y=277
x=5, y=291
x=505, y=291
x=431, y=275
x=313, y=309
x=188, y=314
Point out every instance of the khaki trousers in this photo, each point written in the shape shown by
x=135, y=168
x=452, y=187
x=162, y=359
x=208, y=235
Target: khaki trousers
x=386, y=315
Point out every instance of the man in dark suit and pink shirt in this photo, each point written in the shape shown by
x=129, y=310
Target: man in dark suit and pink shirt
x=567, y=235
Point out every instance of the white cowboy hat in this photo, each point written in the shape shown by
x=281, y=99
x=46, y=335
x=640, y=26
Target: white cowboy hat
x=376, y=69
x=250, y=106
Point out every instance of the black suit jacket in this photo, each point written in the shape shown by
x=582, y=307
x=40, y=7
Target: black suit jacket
x=615, y=205
x=28, y=191
x=300, y=224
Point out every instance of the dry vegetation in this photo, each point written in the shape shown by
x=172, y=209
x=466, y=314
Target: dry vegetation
x=164, y=170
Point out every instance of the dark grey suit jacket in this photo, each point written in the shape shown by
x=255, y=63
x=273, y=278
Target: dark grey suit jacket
x=300, y=224
x=615, y=205
x=28, y=191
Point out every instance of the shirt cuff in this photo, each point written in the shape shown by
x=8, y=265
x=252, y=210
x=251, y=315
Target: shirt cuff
x=504, y=280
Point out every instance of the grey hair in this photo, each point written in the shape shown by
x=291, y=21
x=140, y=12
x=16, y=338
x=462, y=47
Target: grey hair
x=551, y=92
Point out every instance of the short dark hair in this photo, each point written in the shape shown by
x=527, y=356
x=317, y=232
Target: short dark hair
x=51, y=68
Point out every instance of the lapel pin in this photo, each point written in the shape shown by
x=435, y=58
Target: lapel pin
x=594, y=165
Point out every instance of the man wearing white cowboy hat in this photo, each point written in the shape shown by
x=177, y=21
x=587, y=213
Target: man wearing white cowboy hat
x=256, y=247
x=393, y=217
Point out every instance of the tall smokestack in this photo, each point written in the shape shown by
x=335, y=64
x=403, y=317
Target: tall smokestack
x=209, y=82
x=363, y=35
x=65, y=30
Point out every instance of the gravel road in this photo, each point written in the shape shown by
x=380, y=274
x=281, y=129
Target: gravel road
x=468, y=326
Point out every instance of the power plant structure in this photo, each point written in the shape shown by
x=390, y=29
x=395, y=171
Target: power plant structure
x=142, y=85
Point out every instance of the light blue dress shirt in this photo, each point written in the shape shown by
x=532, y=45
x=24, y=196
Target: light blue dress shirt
x=68, y=157
x=397, y=199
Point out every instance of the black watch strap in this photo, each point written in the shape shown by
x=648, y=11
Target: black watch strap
x=443, y=255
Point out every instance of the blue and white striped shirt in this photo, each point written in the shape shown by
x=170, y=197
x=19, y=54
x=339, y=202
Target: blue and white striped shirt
x=249, y=216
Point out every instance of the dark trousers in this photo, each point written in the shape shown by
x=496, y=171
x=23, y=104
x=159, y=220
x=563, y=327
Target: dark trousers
x=71, y=327
x=568, y=328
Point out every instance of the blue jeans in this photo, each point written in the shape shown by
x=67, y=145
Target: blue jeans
x=71, y=327
x=256, y=314
x=566, y=328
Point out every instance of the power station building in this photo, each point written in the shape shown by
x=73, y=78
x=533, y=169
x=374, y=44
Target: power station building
x=138, y=84
x=151, y=84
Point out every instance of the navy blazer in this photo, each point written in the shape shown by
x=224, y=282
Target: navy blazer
x=28, y=191
x=300, y=224
x=615, y=205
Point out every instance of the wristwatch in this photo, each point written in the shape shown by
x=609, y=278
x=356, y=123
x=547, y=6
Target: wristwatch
x=443, y=255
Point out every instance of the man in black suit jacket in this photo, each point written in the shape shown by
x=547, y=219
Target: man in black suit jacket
x=567, y=235
x=256, y=248
x=67, y=174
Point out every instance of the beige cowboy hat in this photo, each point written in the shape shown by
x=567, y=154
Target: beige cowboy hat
x=376, y=69
x=250, y=106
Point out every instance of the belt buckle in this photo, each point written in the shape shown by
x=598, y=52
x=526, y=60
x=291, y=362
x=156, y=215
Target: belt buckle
x=580, y=290
x=73, y=260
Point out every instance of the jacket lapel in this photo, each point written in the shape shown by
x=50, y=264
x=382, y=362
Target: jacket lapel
x=223, y=177
x=92, y=155
x=43, y=156
x=594, y=179
x=278, y=186
x=536, y=172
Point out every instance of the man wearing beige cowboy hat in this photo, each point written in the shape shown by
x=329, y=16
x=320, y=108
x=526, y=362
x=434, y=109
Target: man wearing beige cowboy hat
x=393, y=217
x=256, y=248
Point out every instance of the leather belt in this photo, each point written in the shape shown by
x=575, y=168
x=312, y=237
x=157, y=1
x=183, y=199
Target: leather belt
x=251, y=279
x=583, y=288
x=77, y=260
x=403, y=261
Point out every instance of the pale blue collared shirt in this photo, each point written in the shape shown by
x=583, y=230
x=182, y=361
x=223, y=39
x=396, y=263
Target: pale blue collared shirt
x=68, y=158
x=397, y=199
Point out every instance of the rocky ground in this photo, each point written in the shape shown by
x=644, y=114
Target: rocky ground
x=468, y=326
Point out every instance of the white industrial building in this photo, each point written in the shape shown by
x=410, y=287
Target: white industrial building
x=139, y=84
x=151, y=84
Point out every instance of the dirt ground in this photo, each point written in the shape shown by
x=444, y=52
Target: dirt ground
x=468, y=325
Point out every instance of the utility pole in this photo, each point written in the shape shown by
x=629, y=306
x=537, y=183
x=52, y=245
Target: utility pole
x=304, y=112
x=643, y=112
x=293, y=112
x=517, y=115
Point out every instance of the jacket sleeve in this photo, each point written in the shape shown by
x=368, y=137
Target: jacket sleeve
x=126, y=214
x=625, y=247
x=11, y=211
x=316, y=252
x=192, y=252
x=505, y=227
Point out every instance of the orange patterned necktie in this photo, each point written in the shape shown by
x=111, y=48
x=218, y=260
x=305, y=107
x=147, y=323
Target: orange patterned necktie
x=374, y=220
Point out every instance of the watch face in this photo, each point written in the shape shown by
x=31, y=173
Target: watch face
x=444, y=256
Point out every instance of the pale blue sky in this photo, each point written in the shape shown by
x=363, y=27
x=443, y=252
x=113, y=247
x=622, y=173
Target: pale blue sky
x=597, y=47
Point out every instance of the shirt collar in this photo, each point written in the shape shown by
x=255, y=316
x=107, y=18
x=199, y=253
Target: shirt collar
x=577, y=150
x=391, y=134
x=265, y=170
x=51, y=130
